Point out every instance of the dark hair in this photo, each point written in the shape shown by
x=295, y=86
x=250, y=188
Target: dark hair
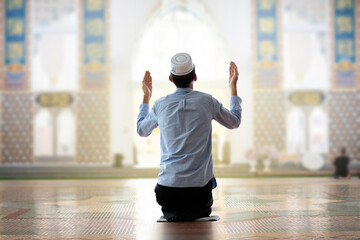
x=184, y=80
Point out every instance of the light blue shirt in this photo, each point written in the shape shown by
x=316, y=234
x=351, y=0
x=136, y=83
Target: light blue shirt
x=184, y=119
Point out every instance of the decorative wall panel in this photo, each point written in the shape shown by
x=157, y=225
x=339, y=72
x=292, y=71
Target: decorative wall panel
x=269, y=102
x=269, y=119
x=16, y=104
x=15, y=45
x=93, y=128
x=94, y=75
x=344, y=112
x=266, y=36
x=16, y=128
x=343, y=25
x=93, y=109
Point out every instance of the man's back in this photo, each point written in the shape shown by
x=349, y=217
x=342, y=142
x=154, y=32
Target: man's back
x=341, y=164
x=184, y=119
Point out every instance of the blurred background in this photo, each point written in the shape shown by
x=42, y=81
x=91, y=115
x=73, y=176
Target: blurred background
x=71, y=73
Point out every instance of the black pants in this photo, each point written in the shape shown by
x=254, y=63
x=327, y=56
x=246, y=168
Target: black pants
x=184, y=204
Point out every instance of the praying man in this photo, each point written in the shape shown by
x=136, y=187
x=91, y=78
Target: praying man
x=186, y=178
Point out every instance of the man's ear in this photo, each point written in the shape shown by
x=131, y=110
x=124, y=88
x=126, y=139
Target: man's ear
x=195, y=77
x=170, y=78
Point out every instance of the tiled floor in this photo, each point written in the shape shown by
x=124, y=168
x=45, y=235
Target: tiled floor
x=267, y=208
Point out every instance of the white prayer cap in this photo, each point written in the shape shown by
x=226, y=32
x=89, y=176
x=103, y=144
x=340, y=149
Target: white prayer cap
x=181, y=64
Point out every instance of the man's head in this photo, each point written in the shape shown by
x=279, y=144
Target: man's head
x=182, y=72
x=343, y=151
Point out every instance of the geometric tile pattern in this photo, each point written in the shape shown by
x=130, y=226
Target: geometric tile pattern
x=344, y=127
x=93, y=128
x=313, y=208
x=17, y=128
x=269, y=119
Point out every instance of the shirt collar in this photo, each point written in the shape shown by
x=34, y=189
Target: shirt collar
x=183, y=90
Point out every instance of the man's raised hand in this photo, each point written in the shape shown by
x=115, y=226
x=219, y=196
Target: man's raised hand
x=147, y=87
x=233, y=78
x=233, y=74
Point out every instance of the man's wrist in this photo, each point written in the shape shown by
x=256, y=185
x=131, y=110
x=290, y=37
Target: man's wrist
x=146, y=99
x=233, y=90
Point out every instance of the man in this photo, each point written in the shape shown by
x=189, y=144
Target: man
x=186, y=177
x=341, y=165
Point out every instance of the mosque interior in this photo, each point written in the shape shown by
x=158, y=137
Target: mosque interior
x=70, y=90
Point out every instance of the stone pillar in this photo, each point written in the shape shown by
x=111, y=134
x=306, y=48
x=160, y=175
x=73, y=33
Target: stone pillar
x=93, y=105
x=16, y=100
x=344, y=108
x=269, y=98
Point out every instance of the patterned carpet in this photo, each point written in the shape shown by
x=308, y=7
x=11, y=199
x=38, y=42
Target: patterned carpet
x=264, y=208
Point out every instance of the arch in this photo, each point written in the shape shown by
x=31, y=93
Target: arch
x=54, y=24
x=176, y=26
x=318, y=131
x=296, y=131
x=65, y=133
x=43, y=134
x=305, y=24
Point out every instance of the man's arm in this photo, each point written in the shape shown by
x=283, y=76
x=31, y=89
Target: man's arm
x=146, y=122
x=232, y=118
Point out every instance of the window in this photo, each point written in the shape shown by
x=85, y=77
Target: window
x=318, y=137
x=65, y=133
x=296, y=130
x=43, y=134
x=54, y=44
x=170, y=31
x=305, y=49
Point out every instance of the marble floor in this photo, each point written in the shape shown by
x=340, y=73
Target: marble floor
x=249, y=208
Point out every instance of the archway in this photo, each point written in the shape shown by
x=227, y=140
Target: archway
x=43, y=134
x=172, y=27
x=296, y=137
x=65, y=134
x=318, y=131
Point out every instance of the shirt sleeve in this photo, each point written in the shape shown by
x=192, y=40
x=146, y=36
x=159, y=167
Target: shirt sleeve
x=146, y=122
x=230, y=119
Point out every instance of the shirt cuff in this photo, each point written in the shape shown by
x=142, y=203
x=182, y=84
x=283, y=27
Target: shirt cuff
x=144, y=109
x=235, y=100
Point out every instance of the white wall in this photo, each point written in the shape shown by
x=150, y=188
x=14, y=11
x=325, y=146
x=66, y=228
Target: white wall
x=127, y=21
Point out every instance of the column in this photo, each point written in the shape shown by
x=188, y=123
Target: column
x=269, y=98
x=17, y=102
x=344, y=113
x=93, y=106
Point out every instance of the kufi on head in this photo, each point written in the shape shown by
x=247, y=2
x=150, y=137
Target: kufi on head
x=181, y=64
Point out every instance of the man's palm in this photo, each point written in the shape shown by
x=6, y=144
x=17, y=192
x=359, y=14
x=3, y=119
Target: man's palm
x=233, y=74
x=147, y=84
